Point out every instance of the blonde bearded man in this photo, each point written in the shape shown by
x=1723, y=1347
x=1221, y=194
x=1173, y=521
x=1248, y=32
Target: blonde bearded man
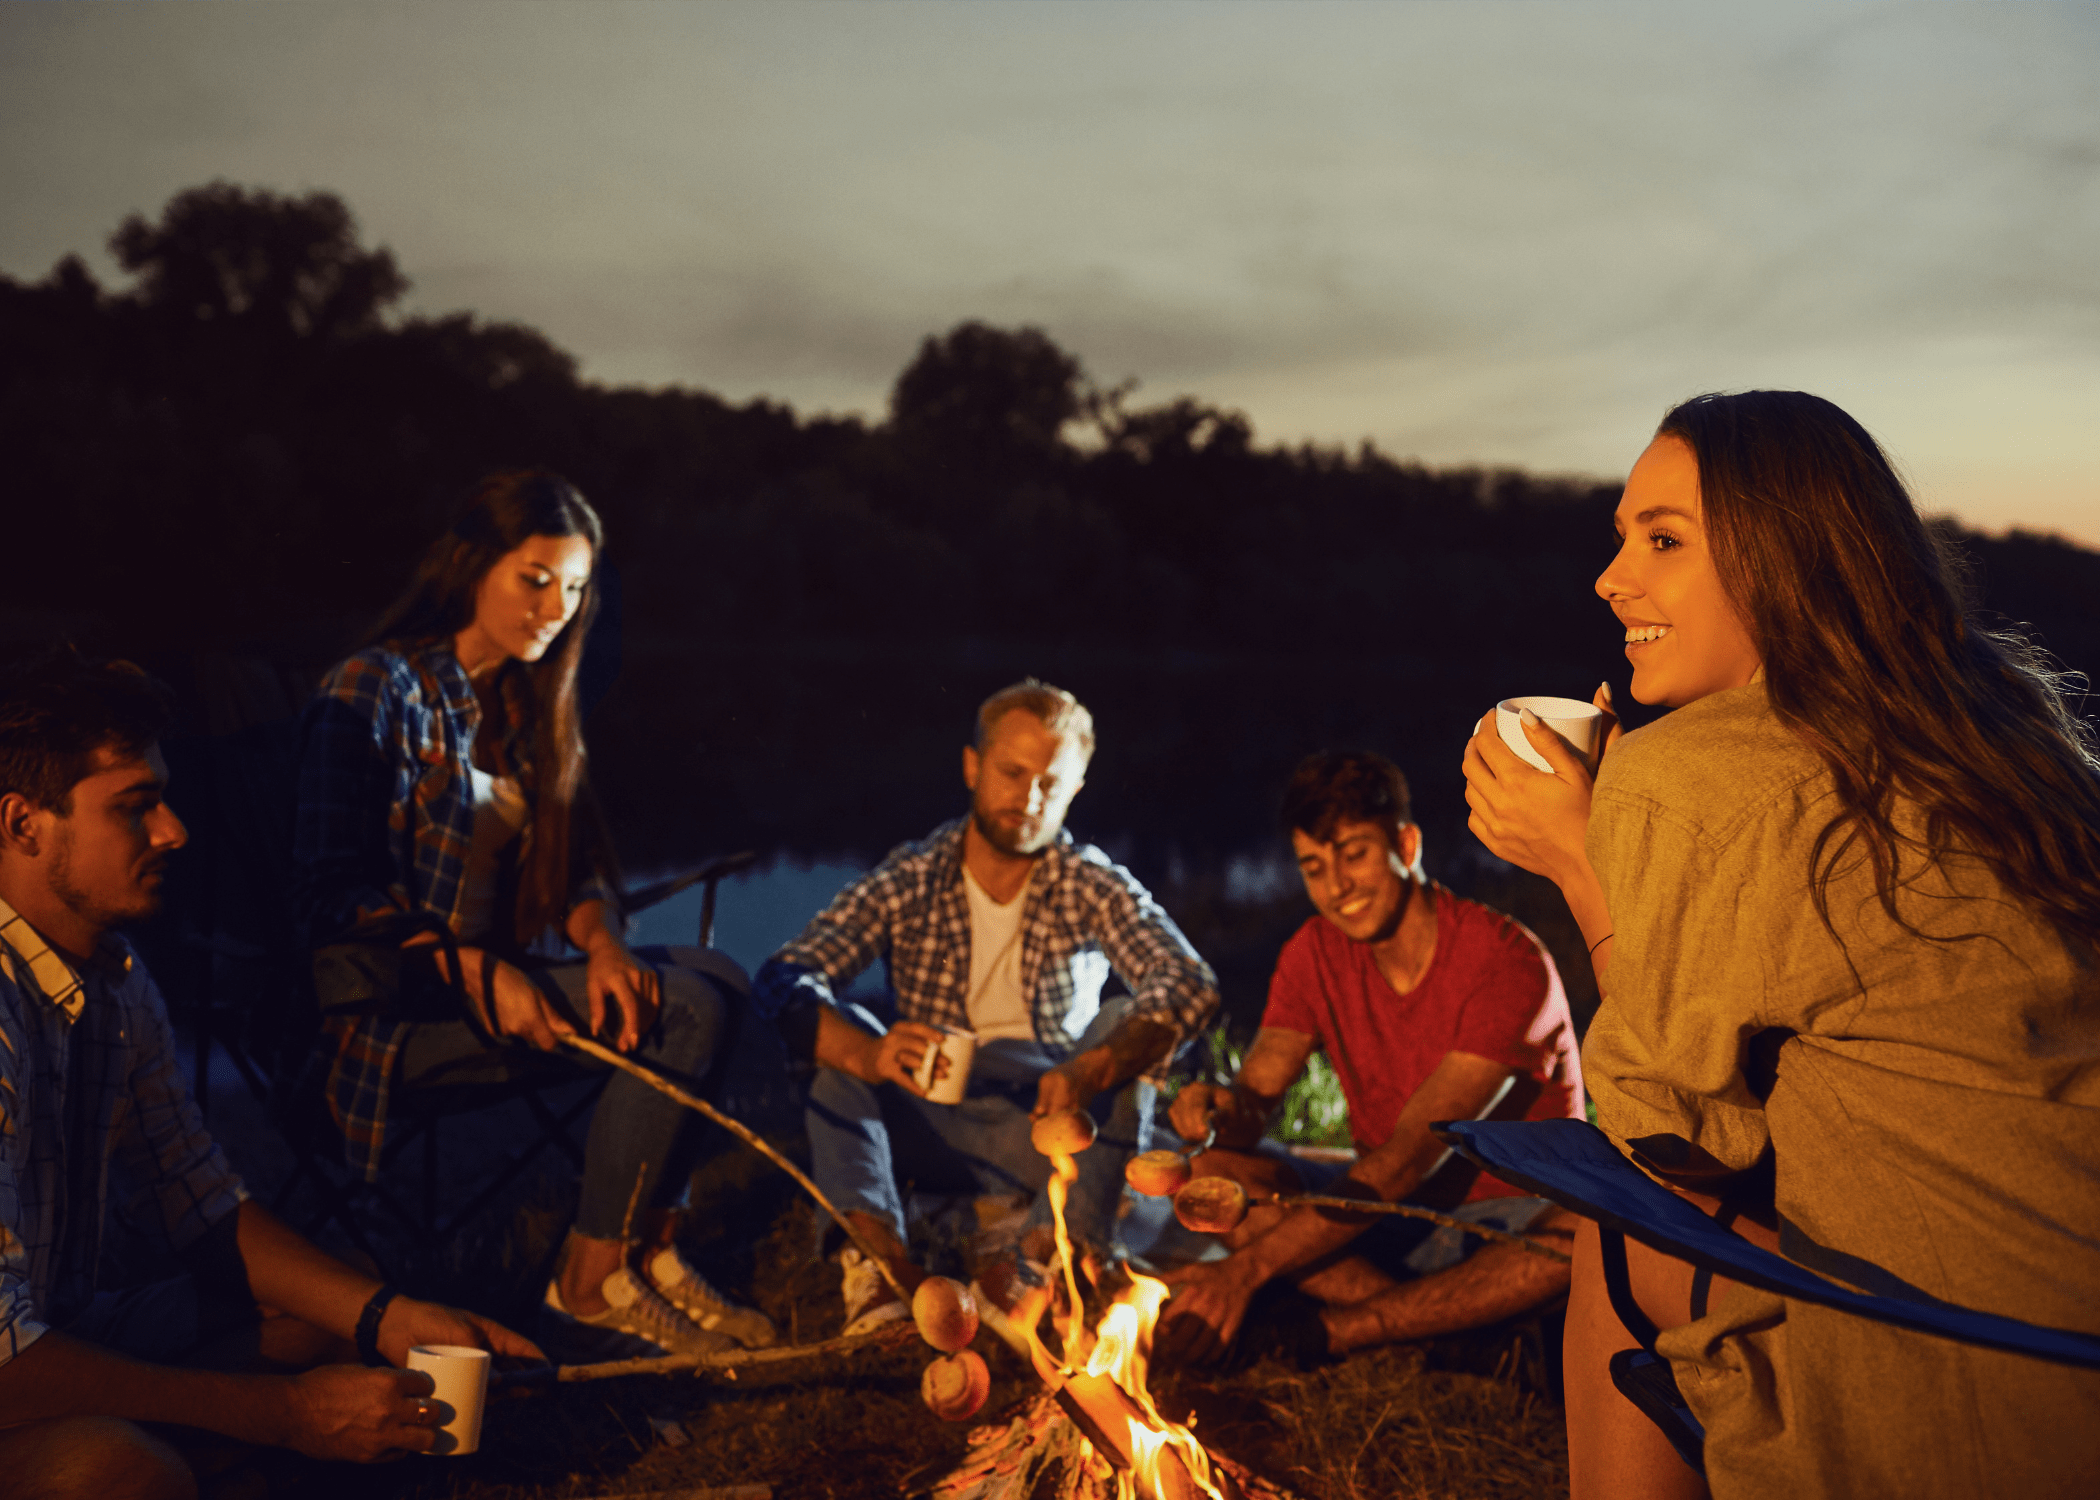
x=999, y=924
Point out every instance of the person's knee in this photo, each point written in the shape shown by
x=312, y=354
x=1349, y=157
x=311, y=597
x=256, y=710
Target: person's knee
x=691, y=999
x=841, y=1095
x=105, y=1458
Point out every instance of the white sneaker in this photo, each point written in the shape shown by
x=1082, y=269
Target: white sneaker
x=688, y=1291
x=634, y=1307
x=870, y=1300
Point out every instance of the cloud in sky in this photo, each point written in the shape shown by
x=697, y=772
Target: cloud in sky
x=1474, y=232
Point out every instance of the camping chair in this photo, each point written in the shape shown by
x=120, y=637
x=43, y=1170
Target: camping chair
x=229, y=953
x=417, y=1116
x=1575, y=1165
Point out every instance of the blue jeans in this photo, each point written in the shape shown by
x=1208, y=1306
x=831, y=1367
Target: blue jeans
x=864, y=1138
x=641, y=1146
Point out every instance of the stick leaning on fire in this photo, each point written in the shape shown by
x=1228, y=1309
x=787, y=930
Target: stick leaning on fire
x=947, y=1320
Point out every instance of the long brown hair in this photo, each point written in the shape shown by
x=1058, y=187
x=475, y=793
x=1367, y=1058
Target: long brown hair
x=1874, y=656
x=503, y=513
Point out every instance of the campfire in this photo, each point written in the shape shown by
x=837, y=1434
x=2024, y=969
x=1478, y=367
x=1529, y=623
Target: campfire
x=1095, y=1427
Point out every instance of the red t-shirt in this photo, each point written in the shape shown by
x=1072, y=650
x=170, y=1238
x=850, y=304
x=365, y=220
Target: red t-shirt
x=1491, y=990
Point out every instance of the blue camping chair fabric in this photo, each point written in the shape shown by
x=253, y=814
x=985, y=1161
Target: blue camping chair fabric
x=1575, y=1165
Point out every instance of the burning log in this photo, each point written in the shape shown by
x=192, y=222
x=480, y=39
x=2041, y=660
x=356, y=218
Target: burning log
x=1042, y=1444
x=1098, y=1425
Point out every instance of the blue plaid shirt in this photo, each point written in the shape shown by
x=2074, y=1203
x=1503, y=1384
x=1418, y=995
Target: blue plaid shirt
x=386, y=817
x=1084, y=916
x=91, y=1102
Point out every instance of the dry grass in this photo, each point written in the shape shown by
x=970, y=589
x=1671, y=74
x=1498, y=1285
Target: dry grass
x=1465, y=1418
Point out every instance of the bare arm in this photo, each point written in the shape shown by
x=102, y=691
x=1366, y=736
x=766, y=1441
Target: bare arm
x=337, y=1411
x=1463, y=1087
x=288, y=1272
x=890, y=1058
x=1540, y=821
x=1243, y=1108
x=1131, y=1048
x=1204, y=1317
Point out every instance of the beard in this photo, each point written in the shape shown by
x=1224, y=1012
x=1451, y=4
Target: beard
x=97, y=909
x=1020, y=841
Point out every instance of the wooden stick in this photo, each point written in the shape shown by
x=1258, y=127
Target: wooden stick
x=890, y=1335
x=1408, y=1210
x=748, y=1136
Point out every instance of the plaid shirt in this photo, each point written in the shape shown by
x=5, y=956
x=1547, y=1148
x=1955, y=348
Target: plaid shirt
x=1085, y=914
x=90, y=1098
x=386, y=817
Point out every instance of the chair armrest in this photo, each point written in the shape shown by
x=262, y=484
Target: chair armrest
x=719, y=868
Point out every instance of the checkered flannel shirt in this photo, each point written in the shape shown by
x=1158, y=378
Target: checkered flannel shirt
x=385, y=820
x=91, y=1100
x=1085, y=914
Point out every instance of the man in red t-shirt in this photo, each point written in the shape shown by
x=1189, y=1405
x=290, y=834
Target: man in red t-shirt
x=1430, y=1008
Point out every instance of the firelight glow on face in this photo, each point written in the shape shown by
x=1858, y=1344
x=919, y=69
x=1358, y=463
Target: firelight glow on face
x=1683, y=635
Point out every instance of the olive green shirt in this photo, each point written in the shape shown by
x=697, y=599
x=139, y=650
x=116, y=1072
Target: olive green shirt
x=1932, y=1105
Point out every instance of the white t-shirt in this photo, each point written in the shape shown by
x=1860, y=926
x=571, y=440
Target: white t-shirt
x=500, y=814
x=997, y=1008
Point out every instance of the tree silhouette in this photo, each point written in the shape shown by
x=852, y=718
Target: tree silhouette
x=990, y=400
x=290, y=268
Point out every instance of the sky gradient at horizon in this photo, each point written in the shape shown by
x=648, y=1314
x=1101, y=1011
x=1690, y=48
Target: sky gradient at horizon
x=1492, y=232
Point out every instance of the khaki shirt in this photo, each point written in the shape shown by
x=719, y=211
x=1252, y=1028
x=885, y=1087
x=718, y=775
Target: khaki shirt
x=1933, y=1109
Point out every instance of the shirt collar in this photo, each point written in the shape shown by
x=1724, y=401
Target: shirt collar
x=23, y=947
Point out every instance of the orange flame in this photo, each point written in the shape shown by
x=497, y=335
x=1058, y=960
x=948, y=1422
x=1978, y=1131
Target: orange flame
x=1121, y=1351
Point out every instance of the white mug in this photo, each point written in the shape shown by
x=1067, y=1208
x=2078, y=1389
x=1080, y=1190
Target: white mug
x=1580, y=724
x=959, y=1047
x=461, y=1377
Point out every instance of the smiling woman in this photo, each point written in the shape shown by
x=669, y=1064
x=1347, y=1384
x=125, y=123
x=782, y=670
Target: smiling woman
x=1683, y=633
x=1846, y=903
x=443, y=802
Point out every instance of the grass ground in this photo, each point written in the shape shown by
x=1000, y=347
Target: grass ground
x=1471, y=1417
x=1463, y=1418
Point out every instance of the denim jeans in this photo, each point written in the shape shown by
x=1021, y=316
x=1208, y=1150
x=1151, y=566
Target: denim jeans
x=641, y=1146
x=865, y=1139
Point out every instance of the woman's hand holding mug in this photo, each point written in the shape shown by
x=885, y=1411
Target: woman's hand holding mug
x=1529, y=817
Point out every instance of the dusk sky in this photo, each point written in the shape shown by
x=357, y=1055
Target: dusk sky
x=1473, y=232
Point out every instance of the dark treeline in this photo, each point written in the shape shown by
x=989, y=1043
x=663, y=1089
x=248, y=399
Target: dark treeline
x=238, y=453
x=246, y=439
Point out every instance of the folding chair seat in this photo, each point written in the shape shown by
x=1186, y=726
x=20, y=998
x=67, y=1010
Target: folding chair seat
x=1575, y=1165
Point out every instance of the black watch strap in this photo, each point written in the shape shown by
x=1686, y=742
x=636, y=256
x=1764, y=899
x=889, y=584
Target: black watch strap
x=368, y=1326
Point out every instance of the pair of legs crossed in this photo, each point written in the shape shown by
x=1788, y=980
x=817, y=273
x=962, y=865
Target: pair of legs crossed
x=1405, y=1279
x=867, y=1141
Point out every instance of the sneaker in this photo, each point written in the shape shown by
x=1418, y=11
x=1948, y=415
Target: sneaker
x=635, y=1308
x=688, y=1291
x=870, y=1300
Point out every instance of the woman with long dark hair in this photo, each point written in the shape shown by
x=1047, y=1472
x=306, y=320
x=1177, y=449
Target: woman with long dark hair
x=1845, y=907
x=445, y=809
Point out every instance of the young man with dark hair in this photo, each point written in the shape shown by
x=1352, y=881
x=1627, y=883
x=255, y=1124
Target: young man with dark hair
x=92, y=1105
x=1429, y=1008
x=999, y=924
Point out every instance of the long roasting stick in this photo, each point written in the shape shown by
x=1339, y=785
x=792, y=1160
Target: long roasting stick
x=743, y=1133
x=1408, y=1210
x=728, y=1363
